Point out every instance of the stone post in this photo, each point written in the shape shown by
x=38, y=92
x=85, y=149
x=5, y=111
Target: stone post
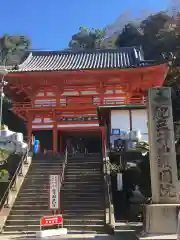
x=161, y=215
x=162, y=146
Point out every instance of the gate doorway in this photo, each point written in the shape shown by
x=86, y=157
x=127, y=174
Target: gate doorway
x=45, y=138
x=81, y=140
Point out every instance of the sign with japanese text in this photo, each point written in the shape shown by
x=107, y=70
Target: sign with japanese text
x=162, y=146
x=54, y=192
x=77, y=118
x=51, y=220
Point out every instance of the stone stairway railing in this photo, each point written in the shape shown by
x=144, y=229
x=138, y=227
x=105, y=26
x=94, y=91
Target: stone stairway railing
x=110, y=219
x=13, y=188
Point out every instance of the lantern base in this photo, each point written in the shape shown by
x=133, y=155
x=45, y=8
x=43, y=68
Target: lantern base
x=161, y=218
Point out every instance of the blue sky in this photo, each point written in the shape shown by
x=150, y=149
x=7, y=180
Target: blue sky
x=50, y=24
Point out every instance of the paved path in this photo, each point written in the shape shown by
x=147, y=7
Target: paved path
x=85, y=236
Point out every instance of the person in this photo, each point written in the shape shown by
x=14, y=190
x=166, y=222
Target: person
x=137, y=200
x=36, y=146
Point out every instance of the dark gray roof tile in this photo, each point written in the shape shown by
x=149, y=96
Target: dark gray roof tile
x=82, y=60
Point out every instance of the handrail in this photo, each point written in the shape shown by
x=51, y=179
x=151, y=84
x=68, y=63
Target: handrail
x=12, y=184
x=107, y=181
x=62, y=176
x=63, y=168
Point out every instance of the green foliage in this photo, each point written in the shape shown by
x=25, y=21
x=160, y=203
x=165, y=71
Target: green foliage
x=87, y=38
x=157, y=34
x=12, y=47
x=4, y=154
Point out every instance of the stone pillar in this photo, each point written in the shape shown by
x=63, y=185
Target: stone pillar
x=161, y=216
x=162, y=146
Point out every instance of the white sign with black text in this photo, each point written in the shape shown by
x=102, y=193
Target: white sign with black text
x=54, y=192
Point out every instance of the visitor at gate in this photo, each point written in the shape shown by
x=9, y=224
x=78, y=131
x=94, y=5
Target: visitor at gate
x=70, y=146
x=36, y=146
x=137, y=200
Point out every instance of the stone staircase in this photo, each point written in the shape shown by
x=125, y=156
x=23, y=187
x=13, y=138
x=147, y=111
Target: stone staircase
x=32, y=200
x=83, y=194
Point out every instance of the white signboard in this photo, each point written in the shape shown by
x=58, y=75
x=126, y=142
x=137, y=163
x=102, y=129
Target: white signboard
x=54, y=192
x=119, y=182
x=162, y=146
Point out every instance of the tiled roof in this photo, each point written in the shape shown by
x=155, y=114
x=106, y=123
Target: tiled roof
x=82, y=60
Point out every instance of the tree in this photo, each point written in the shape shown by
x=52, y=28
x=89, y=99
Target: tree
x=12, y=52
x=130, y=36
x=12, y=49
x=155, y=34
x=87, y=38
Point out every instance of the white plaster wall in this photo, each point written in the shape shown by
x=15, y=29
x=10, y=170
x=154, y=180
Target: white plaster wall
x=120, y=119
x=139, y=122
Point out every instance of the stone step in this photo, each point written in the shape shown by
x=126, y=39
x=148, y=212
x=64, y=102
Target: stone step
x=82, y=196
x=79, y=177
x=25, y=197
x=133, y=226
x=38, y=186
x=30, y=207
x=85, y=163
x=22, y=228
x=75, y=190
x=82, y=211
x=15, y=229
x=82, y=166
x=98, y=215
x=83, y=172
x=82, y=201
x=66, y=221
x=82, y=207
x=46, y=164
x=82, y=204
x=88, y=167
x=84, y=189
x=46, y=172
x=73, y=222
x=36, y=181
x=80, y=193
x=47, y=168
x=91, y=181
x=85, y=228
x=34, y=190
x=39, y=176
x=27, y=212
x=85, y=158
x=79, y=185
x=31, y=201
x=65, y=216
x=31, y=194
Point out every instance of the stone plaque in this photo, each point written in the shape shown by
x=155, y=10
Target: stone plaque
x=162, y=146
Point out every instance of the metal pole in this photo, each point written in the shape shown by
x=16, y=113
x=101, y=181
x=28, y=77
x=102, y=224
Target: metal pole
x=1, y=100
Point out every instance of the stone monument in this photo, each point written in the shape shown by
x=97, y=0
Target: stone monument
x=161, y=215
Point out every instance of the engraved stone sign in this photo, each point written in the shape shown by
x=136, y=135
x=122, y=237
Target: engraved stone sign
x=162, y=146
